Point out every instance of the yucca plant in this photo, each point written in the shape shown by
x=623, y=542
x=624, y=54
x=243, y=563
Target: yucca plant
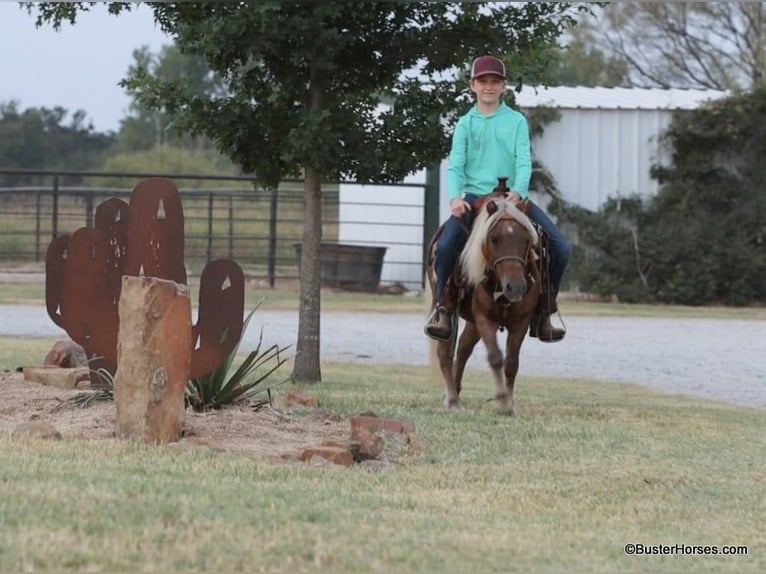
x=86, y=398
x=226, y=385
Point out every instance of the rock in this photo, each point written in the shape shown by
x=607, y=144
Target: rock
x=299, y=397
x=154, y=346
x=325, y=415
x=290, y=456
x=370, y=444
x=37, y=429
x=374, y=424
x=335, y=454
x=66, y=354
x=63, y=378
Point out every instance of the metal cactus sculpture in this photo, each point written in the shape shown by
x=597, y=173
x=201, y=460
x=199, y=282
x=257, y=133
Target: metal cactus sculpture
x=83, y=276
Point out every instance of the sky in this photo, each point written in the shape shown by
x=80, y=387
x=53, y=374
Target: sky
x=76, y=68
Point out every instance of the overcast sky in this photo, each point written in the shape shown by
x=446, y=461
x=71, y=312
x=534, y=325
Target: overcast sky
x=76, y=68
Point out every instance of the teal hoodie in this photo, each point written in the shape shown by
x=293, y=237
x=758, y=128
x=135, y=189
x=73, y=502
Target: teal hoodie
x=487, y=147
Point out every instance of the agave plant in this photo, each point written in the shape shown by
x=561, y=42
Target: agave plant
x=226, y=384
x=105, y=392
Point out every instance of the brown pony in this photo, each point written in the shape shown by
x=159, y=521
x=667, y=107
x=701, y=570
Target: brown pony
x=500, y=290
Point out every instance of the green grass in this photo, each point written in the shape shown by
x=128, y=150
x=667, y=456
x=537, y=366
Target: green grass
x=586, y=468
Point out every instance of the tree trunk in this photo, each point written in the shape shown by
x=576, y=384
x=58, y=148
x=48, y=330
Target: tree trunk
x=306, y=368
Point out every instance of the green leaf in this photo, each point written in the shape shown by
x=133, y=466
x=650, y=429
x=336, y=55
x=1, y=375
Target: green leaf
x=227, y=384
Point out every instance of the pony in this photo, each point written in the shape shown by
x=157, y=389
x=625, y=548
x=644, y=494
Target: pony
x=499, y=276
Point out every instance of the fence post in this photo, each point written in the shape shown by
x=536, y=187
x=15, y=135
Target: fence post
x=209, y=227
x=55, y=210
x=272, y=236
x=89, y=209
x=38, y=215
x=231, y=228
x=430, y=210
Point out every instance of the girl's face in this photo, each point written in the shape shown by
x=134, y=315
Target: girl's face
x=488, y=89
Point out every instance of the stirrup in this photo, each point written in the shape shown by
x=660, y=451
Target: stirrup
x=534, y=329
x=431, y=319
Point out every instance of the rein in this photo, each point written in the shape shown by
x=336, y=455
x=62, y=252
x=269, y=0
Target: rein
x=522, y=260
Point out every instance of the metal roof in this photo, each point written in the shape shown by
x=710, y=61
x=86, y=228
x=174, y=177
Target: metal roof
x=615, y=98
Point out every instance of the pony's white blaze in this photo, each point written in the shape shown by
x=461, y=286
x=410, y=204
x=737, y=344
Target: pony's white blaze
x=472, y=258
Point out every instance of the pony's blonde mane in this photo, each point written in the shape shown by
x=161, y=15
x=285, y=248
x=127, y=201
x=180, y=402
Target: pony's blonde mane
x=472, y=260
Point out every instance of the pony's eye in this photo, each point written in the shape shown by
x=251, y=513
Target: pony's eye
x=494, y=239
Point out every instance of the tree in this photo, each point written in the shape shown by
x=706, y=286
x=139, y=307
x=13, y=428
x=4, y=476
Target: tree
x=41, y=138
x=146, y=128
x=702, y=238
x=303, y=85
x=581, y=62
x=717, y=45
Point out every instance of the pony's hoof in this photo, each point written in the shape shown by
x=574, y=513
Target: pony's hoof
x=505, y=406
x=453, y=404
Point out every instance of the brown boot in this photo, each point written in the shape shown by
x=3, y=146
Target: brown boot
x=440, y=324
x=542, y=329
x=442, y=321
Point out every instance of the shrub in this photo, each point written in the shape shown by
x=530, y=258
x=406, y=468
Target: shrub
x=227, y=384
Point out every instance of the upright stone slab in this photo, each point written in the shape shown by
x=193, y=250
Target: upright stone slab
x=153, y=359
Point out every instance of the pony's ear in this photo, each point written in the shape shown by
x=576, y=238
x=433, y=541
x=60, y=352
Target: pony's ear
x=492, y=207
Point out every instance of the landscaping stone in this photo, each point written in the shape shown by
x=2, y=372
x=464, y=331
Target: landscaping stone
x=374, y=424
x=299, y=397
x=67, y=354
x=153, y=359
x=370, y=444
x=37, y=429
x=63, y=378
x=335, y=454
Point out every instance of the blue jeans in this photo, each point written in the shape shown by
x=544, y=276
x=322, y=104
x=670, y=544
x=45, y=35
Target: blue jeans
x=455, y=233
x=560, y=248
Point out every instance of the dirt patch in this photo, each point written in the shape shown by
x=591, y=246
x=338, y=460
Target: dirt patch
x=276, y=432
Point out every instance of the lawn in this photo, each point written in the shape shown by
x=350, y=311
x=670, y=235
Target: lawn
x=586, y=468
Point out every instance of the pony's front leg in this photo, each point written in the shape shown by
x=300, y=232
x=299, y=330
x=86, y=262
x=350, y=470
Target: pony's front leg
x=488, y=331
x=516, y=334
x=468, y=339
x=445, y=351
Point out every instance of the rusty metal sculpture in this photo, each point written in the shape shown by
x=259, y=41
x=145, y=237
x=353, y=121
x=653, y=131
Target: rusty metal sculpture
x=83, y=276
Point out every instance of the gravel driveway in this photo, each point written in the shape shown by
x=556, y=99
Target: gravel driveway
x=720, y=359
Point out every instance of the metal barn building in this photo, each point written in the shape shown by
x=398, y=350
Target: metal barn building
x=603, y=145
x=606, y=139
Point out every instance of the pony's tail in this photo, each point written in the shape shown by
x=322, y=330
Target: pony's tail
x=428, y=297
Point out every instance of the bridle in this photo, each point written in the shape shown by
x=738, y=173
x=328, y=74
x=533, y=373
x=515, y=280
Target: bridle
x=521, y=260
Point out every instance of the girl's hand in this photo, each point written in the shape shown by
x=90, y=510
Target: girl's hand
x=513, y=197
x=459, y=206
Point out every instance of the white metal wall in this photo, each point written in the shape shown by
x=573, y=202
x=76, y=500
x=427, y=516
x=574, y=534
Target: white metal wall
x=597, y=154
x=387, y=216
